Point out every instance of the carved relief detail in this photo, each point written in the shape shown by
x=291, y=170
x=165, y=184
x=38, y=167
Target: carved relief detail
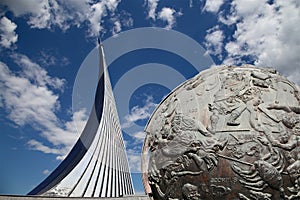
x=239, y=140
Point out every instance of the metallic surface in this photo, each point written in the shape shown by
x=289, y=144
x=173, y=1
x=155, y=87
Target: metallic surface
x=228, y=133
x=97, y=165
x=18, y=197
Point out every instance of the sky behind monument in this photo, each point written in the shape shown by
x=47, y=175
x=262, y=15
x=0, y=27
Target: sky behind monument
x=44, y=45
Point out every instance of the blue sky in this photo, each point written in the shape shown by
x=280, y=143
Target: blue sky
x=44, y=44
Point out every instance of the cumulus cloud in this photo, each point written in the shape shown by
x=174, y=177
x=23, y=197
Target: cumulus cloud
x=49, y=58
x=167, y=15
x=112, y=4
x=8, y=36
x=117, y=27
x=139, y=113
x=266, y=34
x=96, y=13
x=139, y=135
x=134, y=160
x=137, y=138
x=62, y=136
x=28, y=99
x=214, y=41
x=213, y=6
x=152, y=5
x=49, y=14
x=35, y=145
x=33, y=72
x=38, y=11
x=25, y=7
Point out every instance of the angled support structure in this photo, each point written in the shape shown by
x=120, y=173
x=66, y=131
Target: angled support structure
x=97, y=166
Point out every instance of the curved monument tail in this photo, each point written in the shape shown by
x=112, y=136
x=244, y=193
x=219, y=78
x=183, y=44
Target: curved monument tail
x=97, y=165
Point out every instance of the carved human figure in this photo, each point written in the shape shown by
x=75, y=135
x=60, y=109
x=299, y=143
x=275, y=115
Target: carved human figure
x=287, y=124
x=252, y=98
x=239, y=126
x=170, y=107
x=286, y=141
x=227, y=99
x=186, y=138
x=172, y=144
x=214, y=118
x=290, y=119
x=203, y=159
x=165, y=130
x=190, y=192
x=294, y=170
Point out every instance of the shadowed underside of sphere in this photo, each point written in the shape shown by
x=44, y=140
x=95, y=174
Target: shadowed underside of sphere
x=228, y=133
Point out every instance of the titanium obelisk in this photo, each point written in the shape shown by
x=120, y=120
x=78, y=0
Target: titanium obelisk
x=97, y=165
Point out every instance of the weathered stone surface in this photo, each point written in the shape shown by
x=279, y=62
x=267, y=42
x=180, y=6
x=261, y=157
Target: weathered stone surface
x=228, y=133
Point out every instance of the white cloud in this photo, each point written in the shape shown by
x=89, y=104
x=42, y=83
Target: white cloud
x=61, y=135
x=249, y=7
x=139, y=113
x=117, y=27
x=25, y=101
x=191, y=3
x=50, y=58
x=50, y=14
x=97, y=11
x=127, y=21
x=8, y=35
x=28, y=100
x=266, y=33
x=119, y=21
x=35, y=145
x=112, y=4
x=46, y=171
x=25, y=7
x=134, y=160
x=214, y=41
x=35, y=73
x=38, y=11
x=152, y=5
x=139, y=135
x=167, y=15
x=213, y=5
x=227, y=19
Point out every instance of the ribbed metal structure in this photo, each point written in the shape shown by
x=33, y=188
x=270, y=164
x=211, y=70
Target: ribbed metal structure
x=97, y=165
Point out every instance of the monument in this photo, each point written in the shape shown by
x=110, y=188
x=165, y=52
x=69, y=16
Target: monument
x=97, y=165
x=228, y=133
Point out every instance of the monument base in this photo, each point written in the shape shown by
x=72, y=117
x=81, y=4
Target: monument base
x=20, y=197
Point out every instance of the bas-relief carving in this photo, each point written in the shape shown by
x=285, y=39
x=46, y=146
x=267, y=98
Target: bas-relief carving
x=230, y=132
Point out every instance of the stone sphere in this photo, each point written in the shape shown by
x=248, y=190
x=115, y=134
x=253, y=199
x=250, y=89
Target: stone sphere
x=228, y=133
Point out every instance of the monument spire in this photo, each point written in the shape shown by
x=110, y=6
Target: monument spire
x=97, y=165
